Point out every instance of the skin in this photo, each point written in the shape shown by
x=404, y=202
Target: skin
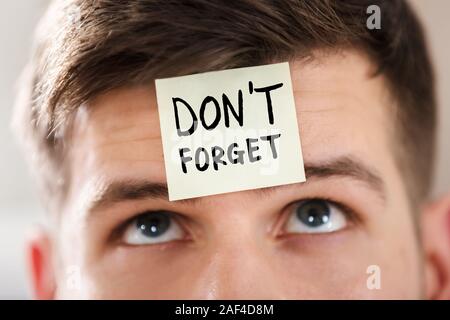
x=236, y=244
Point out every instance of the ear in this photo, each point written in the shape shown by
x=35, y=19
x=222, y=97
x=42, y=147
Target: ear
x=436, y=242
x=39, y=256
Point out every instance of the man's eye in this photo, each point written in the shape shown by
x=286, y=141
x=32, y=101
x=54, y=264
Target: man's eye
x=152, y=228
x=315, y=216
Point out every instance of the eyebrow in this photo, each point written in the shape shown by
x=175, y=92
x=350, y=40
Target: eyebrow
x=119, y=191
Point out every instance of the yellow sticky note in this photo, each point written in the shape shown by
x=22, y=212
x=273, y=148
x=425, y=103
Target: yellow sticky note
x=229, y=130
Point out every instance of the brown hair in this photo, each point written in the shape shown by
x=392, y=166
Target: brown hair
x=85, y=48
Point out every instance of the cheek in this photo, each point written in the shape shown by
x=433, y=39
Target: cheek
x=394, y=248
x=140, y=273
x=332, y=267
x=355, y=265
x=398, y=255
x=398, y=244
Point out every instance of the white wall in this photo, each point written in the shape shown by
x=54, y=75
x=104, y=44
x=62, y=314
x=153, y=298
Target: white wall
x=18, y=202
x=19, y=206
x=435, y=16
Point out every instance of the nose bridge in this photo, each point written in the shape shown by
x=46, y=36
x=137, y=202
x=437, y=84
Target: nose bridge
x=237, y=265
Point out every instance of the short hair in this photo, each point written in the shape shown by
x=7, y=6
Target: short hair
x=85, y=48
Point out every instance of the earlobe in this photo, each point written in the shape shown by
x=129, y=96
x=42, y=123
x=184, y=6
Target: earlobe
x=436, y=244
x=39, y=255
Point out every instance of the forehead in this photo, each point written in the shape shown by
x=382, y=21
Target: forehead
x=341, y=109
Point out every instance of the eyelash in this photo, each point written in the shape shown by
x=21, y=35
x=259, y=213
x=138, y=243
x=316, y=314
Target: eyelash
x=350, y=214
x=118, y=232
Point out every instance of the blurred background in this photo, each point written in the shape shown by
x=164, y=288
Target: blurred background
x=19, y=204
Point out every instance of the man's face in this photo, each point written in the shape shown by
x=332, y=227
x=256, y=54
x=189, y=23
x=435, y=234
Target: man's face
x=121, y=238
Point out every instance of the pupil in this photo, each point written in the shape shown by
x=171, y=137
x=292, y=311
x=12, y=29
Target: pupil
x=153, y=224
x=313, y=213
